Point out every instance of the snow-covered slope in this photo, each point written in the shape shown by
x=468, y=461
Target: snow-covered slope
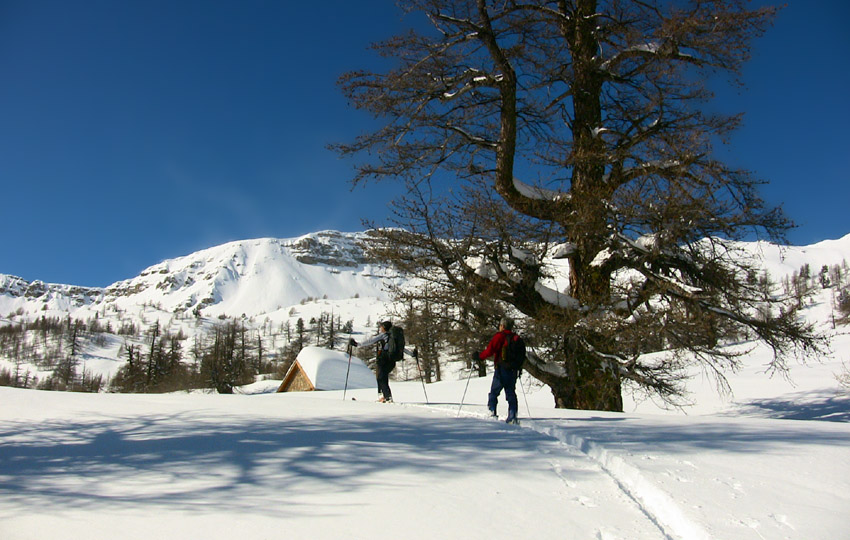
x=261, y=276
x=310, y=465
x=277, y=281
x=772, y=460
x=266, y=284
x=251, y=277
x=780, y=261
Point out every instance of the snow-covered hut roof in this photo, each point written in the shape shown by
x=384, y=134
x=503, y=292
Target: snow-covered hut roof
x=325, y=369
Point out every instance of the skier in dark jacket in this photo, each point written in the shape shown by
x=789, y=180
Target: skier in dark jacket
x=384, y=363
x=504, y=378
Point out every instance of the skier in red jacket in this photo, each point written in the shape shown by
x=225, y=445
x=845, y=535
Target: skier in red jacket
x=504, y=378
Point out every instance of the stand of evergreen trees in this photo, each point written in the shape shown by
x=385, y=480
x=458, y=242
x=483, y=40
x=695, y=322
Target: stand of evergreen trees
x=223, y=354
x=228, y=352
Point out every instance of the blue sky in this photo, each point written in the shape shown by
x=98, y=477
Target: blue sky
x=132, y=132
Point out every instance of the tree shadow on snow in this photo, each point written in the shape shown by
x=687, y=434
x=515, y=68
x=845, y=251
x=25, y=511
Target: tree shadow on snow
x=195, y=461
x=734, y=435
x=826, y=407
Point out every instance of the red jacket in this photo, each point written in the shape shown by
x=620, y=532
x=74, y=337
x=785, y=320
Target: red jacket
x=494, y=348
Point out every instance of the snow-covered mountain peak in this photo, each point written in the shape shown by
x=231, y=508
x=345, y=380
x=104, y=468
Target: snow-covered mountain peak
x=265, y=275
x=249, y=277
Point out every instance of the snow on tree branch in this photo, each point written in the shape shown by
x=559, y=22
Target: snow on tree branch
x=539, y=193
x=555, y=298
x=479, y=141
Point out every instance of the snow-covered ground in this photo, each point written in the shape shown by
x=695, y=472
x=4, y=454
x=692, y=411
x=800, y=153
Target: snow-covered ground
x=771, y=462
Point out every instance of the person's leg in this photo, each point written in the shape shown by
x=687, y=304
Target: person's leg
x=378, y=381
x=382, y=384
x=382, y=372
x=509, y=379
x=495, y=390
x=388, y=393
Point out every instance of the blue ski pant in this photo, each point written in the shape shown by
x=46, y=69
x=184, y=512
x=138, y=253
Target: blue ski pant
x=504, y=379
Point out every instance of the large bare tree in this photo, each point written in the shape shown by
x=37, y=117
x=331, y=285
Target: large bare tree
x=572, y=137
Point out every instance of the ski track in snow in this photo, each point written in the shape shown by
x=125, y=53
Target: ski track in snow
x=653, y=502
x=656, y=505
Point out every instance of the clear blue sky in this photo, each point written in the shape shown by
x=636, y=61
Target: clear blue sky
x=136, y=131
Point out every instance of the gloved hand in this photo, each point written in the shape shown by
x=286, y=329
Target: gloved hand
x=416, y=353
x=475, y=357
x=352, y=343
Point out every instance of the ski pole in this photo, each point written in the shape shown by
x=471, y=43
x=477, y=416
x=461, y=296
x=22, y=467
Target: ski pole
x=345, y=389
x=524, y=395
x=421, y=375
x=464, y=392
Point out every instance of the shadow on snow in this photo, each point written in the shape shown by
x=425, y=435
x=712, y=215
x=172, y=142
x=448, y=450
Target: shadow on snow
x=830, y=408
x=193, y=461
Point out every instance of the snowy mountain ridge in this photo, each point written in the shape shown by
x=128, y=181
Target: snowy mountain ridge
x=272, y=283
x=260, y=276
x=249, y=277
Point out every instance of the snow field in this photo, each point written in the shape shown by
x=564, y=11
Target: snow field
x=167, y=466
x=770, y=461
x=313, y=464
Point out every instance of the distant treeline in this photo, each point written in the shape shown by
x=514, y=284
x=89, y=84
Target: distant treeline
x=227, y=352
x=221, y=354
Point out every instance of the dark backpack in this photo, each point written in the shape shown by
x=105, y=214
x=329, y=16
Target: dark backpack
x=513, y=353
x=395, y=345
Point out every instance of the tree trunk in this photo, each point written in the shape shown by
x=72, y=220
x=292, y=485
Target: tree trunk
x=587, y=383
x=590, y=384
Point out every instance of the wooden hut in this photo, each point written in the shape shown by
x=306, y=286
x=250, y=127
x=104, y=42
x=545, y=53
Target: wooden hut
x=316, y=368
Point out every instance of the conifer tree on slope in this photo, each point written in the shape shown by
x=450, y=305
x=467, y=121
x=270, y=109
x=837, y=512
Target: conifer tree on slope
x=532, y=133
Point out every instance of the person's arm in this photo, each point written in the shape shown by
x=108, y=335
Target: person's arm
x=492, y=347
x=371, y=341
